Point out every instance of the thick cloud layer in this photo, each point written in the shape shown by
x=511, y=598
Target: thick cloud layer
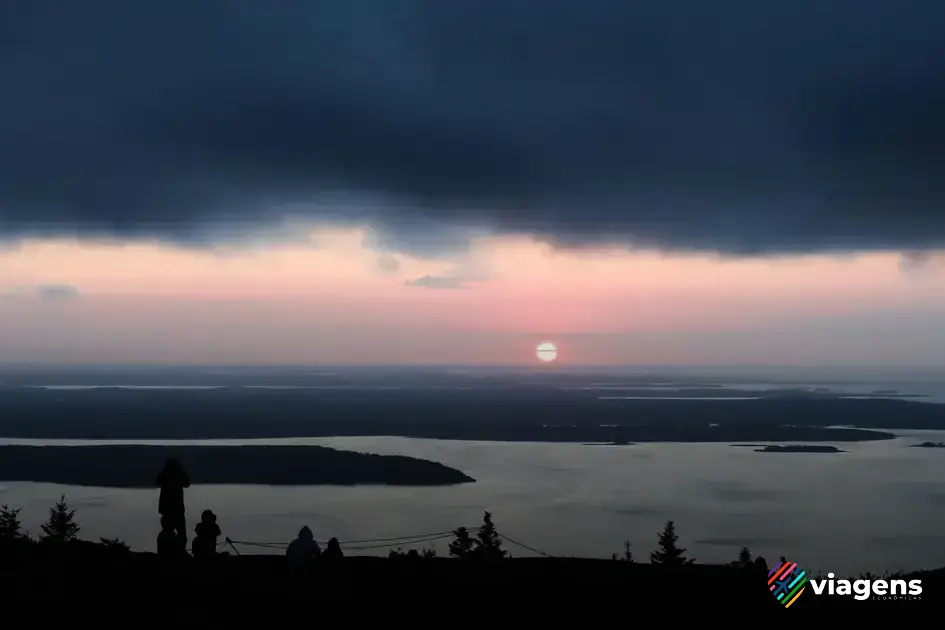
x=734, y=125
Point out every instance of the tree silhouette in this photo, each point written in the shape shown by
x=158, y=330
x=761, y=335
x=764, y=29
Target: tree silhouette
x=463, y=545
x=668, y=553
x=10, y=528
x=60, y=526
x=627, y=554
x=744, y=557
x=488, y=542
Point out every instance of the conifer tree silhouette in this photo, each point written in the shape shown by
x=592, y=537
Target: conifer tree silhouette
x=10, y=527
x=668, y=553
x=744, y=557
x=463, y=545
x=488, y=542
x=60, y=526
x=627, y=554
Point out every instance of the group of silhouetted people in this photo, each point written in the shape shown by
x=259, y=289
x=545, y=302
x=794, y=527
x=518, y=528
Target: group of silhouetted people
x=304, y=548
x=172, y=541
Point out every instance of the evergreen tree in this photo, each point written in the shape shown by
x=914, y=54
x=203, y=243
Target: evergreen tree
x=10, y=528
x=627, y=554
x=488, y=542
x=744, y=557
x=463, y=545
x=61, y=526
x=668, y=553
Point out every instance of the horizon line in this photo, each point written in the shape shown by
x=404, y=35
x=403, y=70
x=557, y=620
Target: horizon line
x=548, y=367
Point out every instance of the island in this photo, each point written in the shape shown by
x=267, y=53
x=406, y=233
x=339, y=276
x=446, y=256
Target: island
x=929, y=445
x=132, y=466
x=798, y=448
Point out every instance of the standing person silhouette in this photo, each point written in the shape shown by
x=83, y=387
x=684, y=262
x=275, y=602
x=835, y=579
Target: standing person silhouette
x=173, y=480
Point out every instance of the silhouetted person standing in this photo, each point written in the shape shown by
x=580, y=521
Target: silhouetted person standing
x=304, y=548
x=333, y=550
x=761, y=567
x=173, y=480
x=207, y=530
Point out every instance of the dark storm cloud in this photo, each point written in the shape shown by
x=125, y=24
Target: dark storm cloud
x=388, y=264
x=920, y=262
x=58, y=292
x=438, y=282
x=737, y=126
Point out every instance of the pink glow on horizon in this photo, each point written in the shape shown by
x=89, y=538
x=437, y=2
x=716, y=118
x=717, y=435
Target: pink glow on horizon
x=147, y=300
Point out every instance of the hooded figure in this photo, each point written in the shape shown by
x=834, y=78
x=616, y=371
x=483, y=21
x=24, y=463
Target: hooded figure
x=207, y=530
x=333, y=550
x=304, y=547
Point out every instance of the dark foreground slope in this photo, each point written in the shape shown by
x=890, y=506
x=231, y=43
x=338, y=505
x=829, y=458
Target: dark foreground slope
x=108, y=580
x=134, y=466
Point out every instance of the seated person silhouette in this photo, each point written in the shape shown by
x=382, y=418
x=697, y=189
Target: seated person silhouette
x=168, y=543
x=304, y=548
x=333, y=550
x=207, y=530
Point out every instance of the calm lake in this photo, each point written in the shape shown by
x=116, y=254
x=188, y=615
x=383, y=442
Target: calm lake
x=880, y=506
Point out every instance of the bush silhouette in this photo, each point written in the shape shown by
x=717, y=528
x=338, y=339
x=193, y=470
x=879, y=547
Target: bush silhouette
x=60, y=526
x=668, y=553
x=424, y=554
x=115, y=544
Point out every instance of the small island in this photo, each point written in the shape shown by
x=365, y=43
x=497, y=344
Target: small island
x=929, y=445
x=798, y=448
x=132, y=466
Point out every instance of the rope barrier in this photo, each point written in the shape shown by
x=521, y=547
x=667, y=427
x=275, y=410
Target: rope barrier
x=382, y=543
x=524, y=546
x=403, y=542
x=396, y=538
x=263, y=545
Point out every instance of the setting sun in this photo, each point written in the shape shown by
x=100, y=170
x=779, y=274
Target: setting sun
x=546, y=352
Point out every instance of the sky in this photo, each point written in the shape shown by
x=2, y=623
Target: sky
x=412, y=182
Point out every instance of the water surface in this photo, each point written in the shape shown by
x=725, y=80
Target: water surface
x=879, y=506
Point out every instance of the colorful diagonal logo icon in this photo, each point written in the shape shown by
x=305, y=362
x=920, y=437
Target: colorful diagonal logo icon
x=786, y=582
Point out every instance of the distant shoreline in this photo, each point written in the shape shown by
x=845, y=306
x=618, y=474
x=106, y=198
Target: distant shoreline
x=494, y=415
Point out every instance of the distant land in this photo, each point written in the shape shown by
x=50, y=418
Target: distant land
x=929, y=445
x=798, y=448
x=487, y=414
x=138, y=466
